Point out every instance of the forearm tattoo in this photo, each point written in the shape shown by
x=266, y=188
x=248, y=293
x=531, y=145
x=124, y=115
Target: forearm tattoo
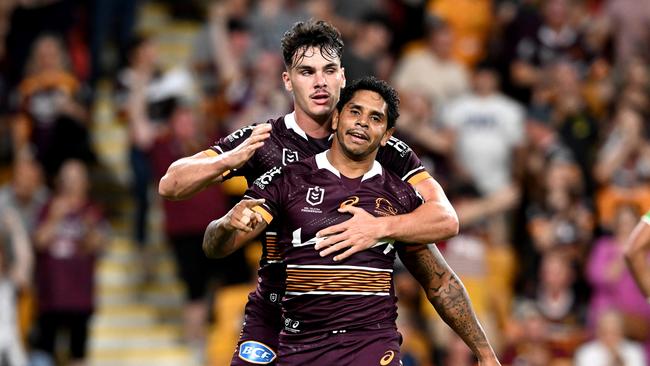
x=446, y=293
x=216, y=240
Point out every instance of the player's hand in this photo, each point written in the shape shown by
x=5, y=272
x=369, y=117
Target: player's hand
x=242, y=217
x=357, y=234
x=242, y=153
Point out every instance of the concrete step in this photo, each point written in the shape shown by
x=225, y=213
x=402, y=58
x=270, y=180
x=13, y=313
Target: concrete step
x=169, y=356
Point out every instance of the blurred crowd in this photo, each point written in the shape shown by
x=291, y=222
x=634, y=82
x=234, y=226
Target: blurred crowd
x=532, y=114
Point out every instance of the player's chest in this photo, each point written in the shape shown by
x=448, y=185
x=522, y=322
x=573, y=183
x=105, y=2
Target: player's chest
x=282, y=150
x=314, y=206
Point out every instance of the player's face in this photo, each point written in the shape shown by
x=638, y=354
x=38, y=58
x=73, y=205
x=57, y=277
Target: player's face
x=315, y=81
x=362, y=125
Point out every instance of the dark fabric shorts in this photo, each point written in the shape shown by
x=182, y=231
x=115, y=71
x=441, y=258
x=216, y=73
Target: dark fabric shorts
x=342, y=348
x=258, y=342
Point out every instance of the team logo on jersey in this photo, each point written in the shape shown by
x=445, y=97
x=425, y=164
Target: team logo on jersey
x=383, y=207
x=256, y=352
x=315, y=195
x=350, y=201
x=267, y=177
x=387, y=358
x=289, y=156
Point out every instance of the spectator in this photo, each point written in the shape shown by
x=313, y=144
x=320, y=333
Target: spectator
x=446, y=78
x=110, y=17
x=147, y=96
x=558, y=301
x=26, y=193
x=612, y=283
x=52, y=116
x=629, y=20
x=488, y=131
x=265, y=94
x=471, y=31
x=536, y=39
x=562, y=219
x=367, y=54
x=185, y=222
x=622, y=167
x=530, y=339
x=610, y=346
x=68, y=238
x=16, y=264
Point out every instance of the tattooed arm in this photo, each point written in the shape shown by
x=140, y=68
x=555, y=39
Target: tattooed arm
x=448, y=296
x=230, y=232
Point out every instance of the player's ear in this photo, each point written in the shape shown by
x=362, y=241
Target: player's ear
x=387, y=135
x=287, y=81
x=343, y=77
x=335, y=119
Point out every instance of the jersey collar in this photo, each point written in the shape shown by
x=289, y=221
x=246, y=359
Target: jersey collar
x=323, y=163
x=290, y=122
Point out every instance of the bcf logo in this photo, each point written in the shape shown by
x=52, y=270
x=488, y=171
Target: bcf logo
x=315, y=195
x=256, y=352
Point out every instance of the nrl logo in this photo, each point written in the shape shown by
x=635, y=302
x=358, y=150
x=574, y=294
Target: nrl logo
x=315, y=195
x=289, y=156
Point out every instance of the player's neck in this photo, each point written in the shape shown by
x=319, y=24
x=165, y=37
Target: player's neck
x=314, y=128
x=347, y=166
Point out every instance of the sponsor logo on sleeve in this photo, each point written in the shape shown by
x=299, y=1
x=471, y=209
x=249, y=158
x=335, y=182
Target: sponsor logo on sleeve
x=267, y=177
x=289, y=156
x=399, y=145
x=239, y=133
x=256, y=352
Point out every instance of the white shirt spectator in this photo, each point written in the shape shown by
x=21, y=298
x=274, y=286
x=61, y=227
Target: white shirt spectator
x=487, y=129
x=424, y=72
x=595, y=353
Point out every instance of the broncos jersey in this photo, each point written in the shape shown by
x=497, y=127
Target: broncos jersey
x=321, y=294
x=288, y=144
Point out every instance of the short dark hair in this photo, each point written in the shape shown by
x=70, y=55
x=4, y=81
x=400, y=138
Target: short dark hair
x=313, y=33
x=387, y=92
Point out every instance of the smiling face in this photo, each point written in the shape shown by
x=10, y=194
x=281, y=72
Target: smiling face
x=362, y=125
x=315, y=81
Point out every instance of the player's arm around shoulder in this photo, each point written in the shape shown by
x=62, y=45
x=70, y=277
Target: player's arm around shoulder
x=432, y=221
x=239, y=226
x=192, y=174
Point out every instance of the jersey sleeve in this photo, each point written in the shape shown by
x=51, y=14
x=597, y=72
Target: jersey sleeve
x=269, y=186
x=229, y=143
x=398, y=157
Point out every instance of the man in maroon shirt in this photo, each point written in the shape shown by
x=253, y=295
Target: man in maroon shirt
x=314, y=76
x=339, y=312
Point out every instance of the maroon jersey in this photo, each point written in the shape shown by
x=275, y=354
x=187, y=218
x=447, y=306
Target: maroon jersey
x=323, y=295
x=288, y=144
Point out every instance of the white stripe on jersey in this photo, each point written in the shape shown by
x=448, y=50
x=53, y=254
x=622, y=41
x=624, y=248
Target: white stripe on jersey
x=412, y=172
x=337, y=267
x=338, y=293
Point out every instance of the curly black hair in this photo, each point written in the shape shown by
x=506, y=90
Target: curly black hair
x=313, y=33
x=387, y=92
